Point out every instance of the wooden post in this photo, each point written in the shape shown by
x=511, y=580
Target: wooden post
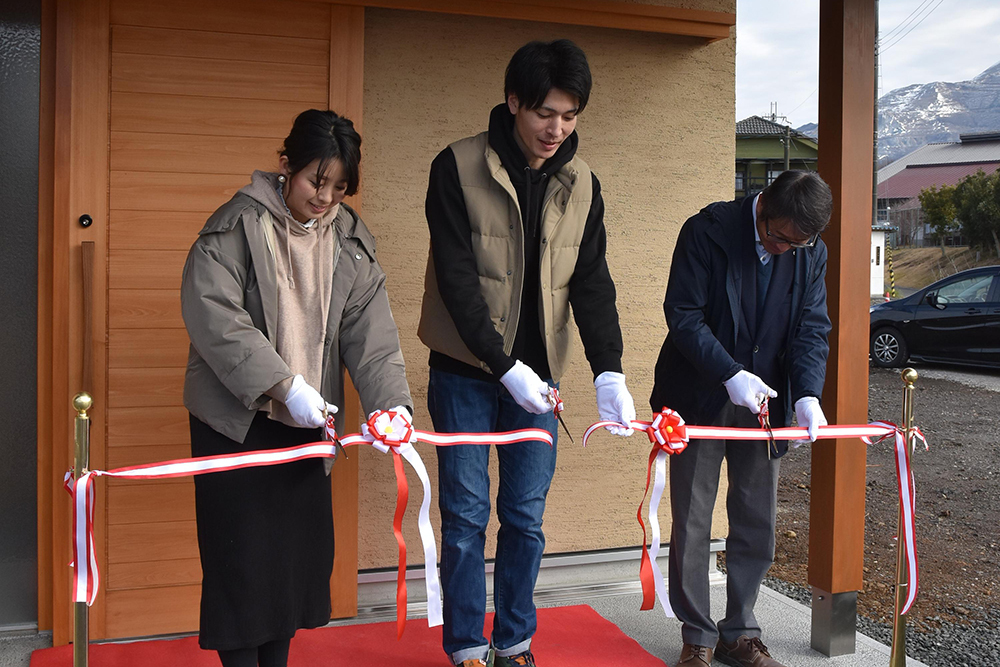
x=837, y=509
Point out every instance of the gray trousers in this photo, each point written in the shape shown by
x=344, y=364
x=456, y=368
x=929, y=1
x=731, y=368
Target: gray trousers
x=751, y=506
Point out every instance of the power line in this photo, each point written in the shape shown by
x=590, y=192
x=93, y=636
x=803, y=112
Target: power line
x=896, y=40
x=901, y=24
x=804, y=101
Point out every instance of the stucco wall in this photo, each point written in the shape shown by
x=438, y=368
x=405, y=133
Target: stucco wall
x=658, y=132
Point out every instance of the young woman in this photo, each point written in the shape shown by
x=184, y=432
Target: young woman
x=280, y=293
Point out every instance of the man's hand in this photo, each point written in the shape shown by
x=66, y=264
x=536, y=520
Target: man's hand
x=614, y=402
x=809, y=414
x=306, y=405
x=528, y=390
x=748, y=390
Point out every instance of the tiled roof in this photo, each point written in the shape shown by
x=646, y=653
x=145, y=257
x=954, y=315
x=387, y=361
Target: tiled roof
x=755, y=126
x=909, y=182
x=947, y=153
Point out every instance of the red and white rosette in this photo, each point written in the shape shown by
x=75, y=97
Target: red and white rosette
x=392, y=431
x=670, y=435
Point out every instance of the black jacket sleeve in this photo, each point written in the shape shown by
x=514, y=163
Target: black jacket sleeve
x=810, y=346
x=455, y=265
x=687, y=300
x=592, y=294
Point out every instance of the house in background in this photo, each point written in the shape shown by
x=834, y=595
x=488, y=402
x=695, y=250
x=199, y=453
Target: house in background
x=765, y=148
x=900, y=183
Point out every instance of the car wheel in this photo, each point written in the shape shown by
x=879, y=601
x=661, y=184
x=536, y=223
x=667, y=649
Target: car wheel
x=888, y=349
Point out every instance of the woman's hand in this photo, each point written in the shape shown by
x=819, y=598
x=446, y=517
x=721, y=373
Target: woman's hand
x=306, y=405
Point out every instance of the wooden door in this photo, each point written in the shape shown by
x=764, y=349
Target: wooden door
x=191, y=97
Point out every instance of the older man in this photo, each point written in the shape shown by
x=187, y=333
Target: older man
x=746, y=310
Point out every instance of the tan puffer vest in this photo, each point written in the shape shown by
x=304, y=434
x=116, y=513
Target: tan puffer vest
x=497, y=242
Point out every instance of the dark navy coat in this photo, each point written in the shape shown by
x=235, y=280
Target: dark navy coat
x=704, y=317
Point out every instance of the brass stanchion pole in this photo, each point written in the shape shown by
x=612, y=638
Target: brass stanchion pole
x=82, y=402
x=897, y=658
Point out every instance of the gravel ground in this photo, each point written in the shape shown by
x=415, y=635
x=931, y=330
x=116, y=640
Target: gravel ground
x=955, y=620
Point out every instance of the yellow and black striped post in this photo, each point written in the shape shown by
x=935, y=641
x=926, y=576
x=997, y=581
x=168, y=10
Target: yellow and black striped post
x=888, y=260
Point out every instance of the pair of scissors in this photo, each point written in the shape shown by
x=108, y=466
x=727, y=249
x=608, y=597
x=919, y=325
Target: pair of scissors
x=765, y=423
x=557, y=408
x=330, y=435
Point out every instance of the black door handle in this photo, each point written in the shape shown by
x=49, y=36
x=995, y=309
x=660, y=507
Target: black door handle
x=973, y=311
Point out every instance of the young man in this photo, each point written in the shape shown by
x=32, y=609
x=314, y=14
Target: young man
x=517, y=237
x=748, y=323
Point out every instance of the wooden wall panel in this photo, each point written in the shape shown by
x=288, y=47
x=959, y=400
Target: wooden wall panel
x=206, y=44
x=128, y=611
x=154, y=230
x=192, y=153
x=146, y=542
x=180, y=114
x=151, y=501
x=145, y=387
x=153, y=574
x=147, y=426
x=251, y=17
x=171, y=75
x=147, y=348
x=147, y=269
x=141, y=308
x=139, y=190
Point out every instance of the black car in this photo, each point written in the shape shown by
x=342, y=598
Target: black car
x=955, y=320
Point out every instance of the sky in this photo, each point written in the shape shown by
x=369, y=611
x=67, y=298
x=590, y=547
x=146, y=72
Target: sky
x=777, y=49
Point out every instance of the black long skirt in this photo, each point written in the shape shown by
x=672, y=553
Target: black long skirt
x=266, y=540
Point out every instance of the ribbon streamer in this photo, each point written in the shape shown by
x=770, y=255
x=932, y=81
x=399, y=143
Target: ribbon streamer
x=670, y=435
x=386, y=431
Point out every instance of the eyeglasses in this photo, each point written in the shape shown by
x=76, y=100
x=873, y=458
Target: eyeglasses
x=808, y=243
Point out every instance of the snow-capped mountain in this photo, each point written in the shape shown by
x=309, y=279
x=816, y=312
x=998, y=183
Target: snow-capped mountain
x=911, y=117
x=809, y=129
x=916, y=115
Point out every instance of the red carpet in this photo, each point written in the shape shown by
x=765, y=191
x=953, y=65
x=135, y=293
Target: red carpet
x=572, y=636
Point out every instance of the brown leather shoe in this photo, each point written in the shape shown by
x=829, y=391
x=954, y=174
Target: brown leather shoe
x=745, y=652
x=693, y=655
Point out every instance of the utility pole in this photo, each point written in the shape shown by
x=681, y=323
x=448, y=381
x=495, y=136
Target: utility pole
x=787, y=142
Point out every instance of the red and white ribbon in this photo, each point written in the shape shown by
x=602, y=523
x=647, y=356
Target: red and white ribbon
x=386, y=431
x=670, y=435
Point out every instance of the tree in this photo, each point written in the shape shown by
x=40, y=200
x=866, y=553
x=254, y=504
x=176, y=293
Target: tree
x=977, y=206
x=939, y=210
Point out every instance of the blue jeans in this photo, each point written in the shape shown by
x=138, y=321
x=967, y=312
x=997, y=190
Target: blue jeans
x=457, y=404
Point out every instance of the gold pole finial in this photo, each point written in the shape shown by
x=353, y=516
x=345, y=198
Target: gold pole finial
x=909, y=375
x=82, y=402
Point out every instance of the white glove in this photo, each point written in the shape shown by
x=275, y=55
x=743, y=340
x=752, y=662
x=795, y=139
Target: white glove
x=529, y=390
x=306, y=405
x=614, y=403
x=748, y=390
x=809, y=414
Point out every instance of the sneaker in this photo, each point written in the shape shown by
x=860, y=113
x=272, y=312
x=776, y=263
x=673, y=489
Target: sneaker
x=518, y=660
x=478, y=662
